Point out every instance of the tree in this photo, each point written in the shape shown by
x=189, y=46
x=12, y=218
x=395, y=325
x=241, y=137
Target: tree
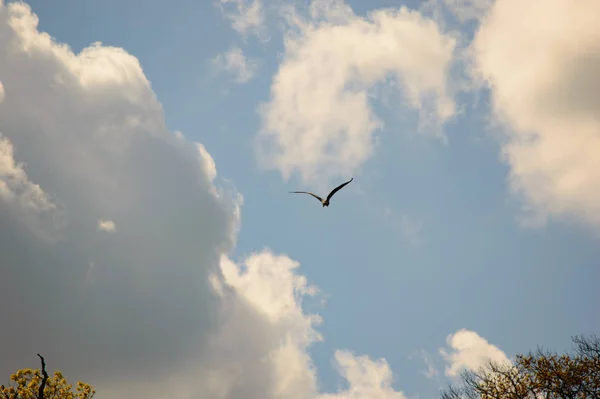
x=539, y=375
x=37, y=384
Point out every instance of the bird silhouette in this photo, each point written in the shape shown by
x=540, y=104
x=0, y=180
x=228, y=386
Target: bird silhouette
x=325, y=202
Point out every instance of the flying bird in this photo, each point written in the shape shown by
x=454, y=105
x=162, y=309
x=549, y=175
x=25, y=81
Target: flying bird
x=325, y=202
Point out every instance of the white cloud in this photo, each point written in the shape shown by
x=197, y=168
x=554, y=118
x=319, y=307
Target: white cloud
x=469, y=351
x=107, y=225
x=541, y=60
x=367, y=379
x=208, y=163
x=2, y=92
x=246, y=16
x=319, y=122
x=268, y=284
x=235, y=62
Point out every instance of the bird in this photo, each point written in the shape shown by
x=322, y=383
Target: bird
x=325, y=202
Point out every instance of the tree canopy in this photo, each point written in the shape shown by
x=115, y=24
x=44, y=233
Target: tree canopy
x=538, y=375
x=37, y=384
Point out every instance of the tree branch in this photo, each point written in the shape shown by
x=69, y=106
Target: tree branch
x=44, y=379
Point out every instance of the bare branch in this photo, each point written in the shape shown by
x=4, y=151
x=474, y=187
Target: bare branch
x=44, y=379
x=587, y=347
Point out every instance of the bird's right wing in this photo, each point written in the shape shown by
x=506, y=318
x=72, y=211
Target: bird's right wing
x=306, y=192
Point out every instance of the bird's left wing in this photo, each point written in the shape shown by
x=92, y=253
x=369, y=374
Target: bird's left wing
x=338, y=188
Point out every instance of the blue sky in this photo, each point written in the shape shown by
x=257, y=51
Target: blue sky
x=427, y=240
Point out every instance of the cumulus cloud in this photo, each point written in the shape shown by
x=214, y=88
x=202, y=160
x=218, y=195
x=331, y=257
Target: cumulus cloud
x=541, y=61
x=268, y=284
x=161, y=312
x=246, y=16
x=87, y=131
x=468, y=351
x=235, y=62
x=107, y=225
x=319, y=122
x=367, y=379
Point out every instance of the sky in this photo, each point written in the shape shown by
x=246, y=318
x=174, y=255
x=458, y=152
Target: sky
x=149, y=245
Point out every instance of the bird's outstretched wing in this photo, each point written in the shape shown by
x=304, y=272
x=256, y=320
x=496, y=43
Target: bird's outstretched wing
x=335, y=190
x=306, y=192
